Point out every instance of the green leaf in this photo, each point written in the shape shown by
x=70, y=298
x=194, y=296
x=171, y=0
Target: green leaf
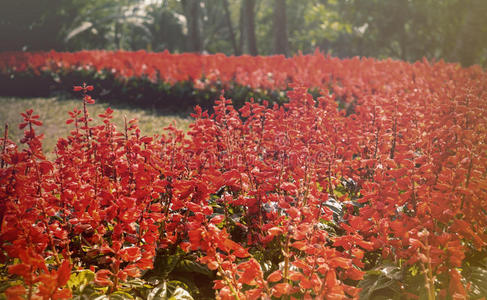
x=336, y=208
x=194, y=267
x=392, y=272
x=120, y=295
x=383, y=280
x=180, y=294
x=169, y=291
x=79, y=280
x=159, y=292
x=476, y=275
x=135, y=283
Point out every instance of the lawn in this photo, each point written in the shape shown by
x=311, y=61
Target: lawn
x=53, y=113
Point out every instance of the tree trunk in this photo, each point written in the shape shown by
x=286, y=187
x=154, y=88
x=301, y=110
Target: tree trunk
x=249, y=22
x=466, y=44
x=116, y=35
x=230, y=28
x=241, y=28
x=191, y=10
x=280, y=28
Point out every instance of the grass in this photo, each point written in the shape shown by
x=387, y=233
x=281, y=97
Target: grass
x=53, y=113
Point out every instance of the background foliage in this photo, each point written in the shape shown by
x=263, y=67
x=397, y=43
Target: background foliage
x=453, y=30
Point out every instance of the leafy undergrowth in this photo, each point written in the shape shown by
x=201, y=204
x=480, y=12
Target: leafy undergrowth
x=385, y=199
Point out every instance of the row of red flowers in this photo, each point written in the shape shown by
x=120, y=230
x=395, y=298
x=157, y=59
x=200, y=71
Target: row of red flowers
x=347, y=78
x=401, y=175
x=272, y=72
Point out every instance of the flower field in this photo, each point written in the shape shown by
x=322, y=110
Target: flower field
x=374, y=188
x=163, y=79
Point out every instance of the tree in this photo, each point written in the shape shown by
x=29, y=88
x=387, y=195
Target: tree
x=228, y=20
x=280, y=28
x=167, y=27
x=191, y=10
x=453, y=30
x=248, y=27
x=470, y=46
x=34, y=25
x=110, y=25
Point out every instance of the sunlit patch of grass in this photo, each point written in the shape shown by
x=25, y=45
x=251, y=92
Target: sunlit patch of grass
x=53, y=113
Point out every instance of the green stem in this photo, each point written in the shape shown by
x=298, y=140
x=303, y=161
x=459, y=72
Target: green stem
x=229, y=283
x=4, y=146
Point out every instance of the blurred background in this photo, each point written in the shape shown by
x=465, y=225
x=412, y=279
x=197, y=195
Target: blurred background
x=453, y=30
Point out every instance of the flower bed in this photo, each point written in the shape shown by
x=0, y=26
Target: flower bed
x=181, y=81
x=305, y=200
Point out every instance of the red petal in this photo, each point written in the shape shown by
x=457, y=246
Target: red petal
x=130, y=254
x=217, y=219
x=15, y=292
x=274, y=276
x=63, y=273
x=20, y=269
x=132, y=271
x=300, y=245
x=341, y=262
x=63, y=294
x=283, y=288
x=36, y=122
x=354, y=274
x=101, y=277
x=248, y=276
x=275, y=231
